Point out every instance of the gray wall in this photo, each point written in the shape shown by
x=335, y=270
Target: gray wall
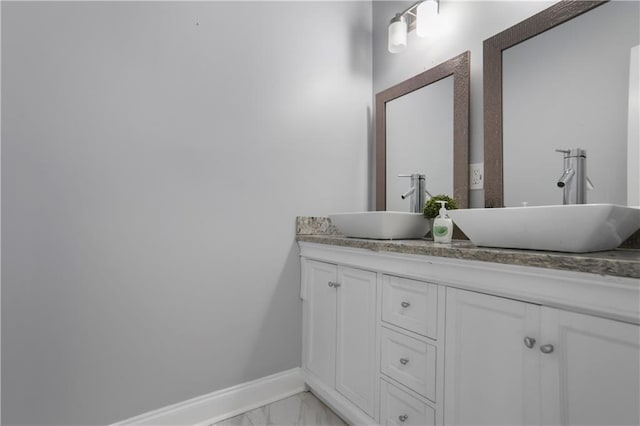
x=466, y=25
x=154, y=156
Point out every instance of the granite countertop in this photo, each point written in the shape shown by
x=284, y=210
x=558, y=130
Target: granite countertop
x=619, y=262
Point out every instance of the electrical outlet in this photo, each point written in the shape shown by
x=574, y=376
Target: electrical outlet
x=476, y=176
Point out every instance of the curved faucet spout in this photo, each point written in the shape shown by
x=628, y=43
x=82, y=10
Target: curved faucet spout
x=574, y=181
x=409, y=192
x=566, y=177
x=416, y=192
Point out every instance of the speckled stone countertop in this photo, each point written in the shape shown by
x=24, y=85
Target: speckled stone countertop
x=619, y=262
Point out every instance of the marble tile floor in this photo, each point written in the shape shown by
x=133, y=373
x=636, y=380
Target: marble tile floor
x=302, y=409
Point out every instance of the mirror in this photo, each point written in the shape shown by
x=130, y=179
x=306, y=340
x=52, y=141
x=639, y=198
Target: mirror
x=549, y=86
x=410, y=118
x=422, y=126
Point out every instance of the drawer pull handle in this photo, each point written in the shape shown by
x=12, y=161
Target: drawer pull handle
x=405, y=304
x=404, y=361
x=403, y=418
x=546, y=349
x=529, y=342
x=334, y=285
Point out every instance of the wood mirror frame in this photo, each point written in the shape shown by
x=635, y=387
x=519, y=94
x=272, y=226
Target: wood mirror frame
x=492, y=77
x=458, y=67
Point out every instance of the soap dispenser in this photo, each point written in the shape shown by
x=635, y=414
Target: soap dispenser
x=442, y=225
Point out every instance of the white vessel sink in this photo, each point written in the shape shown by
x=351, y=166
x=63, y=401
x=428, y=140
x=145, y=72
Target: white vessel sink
x=381, y=225
x=577, y=228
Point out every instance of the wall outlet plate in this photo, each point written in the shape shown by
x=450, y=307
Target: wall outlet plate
x=476, y=176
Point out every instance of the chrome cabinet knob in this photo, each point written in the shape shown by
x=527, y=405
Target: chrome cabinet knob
x=529, y=342
x=405, y=304
x=546, y=349
x=404, y=361
x=403, y=418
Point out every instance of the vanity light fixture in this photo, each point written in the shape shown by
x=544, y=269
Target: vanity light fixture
x=397, y=34
x=427, y=13
x=419, y=16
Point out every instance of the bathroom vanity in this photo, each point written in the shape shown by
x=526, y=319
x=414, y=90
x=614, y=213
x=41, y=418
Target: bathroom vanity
x=416, y=333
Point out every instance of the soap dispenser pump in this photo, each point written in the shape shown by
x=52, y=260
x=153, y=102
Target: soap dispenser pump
x=442, y=225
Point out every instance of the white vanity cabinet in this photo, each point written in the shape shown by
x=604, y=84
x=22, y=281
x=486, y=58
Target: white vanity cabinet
x=339, y=305
x=517, y=363
x=425, y=340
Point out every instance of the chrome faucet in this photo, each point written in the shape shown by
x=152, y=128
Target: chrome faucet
x=416, y=192
x=574, y=181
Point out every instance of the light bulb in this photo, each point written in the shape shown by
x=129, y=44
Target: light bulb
x=427, y=14
x=397, y=34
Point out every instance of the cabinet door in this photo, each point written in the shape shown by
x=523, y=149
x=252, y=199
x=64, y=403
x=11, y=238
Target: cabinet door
x=490, y=375
x=592, y=374
x=319, y=308
x=356, y=373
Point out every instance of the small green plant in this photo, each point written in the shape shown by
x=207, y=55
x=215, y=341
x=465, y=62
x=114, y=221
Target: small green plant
x=432, y=207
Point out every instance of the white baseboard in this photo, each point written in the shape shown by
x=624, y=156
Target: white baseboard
x=217, y=406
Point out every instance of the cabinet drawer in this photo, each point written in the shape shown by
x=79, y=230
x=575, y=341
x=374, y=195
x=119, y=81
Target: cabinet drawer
x=399, y=408
x=410, y=362
x=410, y=304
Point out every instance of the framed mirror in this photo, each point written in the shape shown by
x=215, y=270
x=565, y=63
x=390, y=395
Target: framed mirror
x=422, y=126
x=559, y=80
